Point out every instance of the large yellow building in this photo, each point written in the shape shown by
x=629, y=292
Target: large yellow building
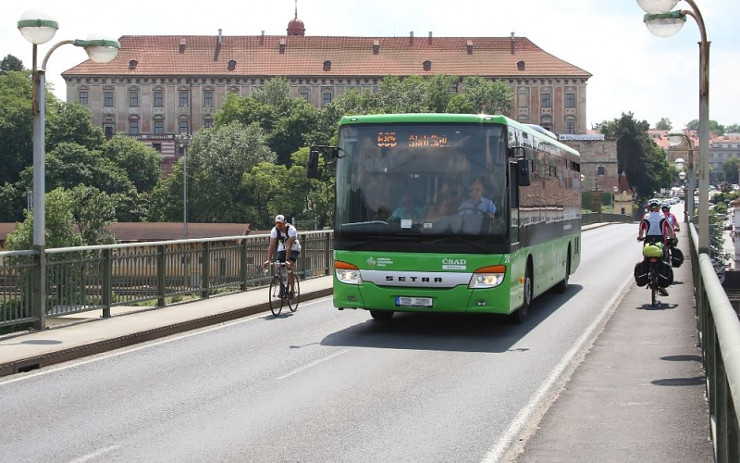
x=158, y=86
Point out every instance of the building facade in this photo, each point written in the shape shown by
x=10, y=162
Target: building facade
x=159, y=86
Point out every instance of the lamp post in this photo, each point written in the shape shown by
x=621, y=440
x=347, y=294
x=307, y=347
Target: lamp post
x=38, y=29
x=676, y=139
x=664, y=23
x=183, y=139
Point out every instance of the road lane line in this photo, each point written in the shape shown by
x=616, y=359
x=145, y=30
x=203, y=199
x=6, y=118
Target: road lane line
x=95, y=454
x=174, y=337
x=313, y=364
x=520, y=422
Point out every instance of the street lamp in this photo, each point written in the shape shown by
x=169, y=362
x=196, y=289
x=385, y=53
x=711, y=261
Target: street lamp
x=38, y=29
x=676, y=139
x=183, y=139
x=664, y=23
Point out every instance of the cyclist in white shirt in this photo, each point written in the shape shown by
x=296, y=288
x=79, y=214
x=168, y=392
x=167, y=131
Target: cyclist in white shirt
x=284, y=236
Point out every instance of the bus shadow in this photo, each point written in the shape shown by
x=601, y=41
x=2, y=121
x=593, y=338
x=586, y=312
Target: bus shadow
x=449, y=332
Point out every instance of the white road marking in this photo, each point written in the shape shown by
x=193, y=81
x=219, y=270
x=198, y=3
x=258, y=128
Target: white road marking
x=313, y=364
x=501, y=446
x=95, y=454
x=174, y=337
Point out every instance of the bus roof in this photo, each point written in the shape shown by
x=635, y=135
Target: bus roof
x=411, y=118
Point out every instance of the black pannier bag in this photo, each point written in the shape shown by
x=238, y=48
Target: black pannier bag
x=665, y=274
x=676, y=257
x=641, y=273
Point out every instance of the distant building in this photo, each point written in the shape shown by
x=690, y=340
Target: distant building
x=159, y=86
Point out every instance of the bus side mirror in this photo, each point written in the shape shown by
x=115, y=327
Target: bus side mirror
x=523, y=172
x=312, y=166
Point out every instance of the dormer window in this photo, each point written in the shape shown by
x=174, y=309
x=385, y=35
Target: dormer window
x=520, y=65
x=231, y=65
x=132, y=64
x=327, y=65
x=427, y=65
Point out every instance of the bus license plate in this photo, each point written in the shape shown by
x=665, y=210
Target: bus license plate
x=406, y=301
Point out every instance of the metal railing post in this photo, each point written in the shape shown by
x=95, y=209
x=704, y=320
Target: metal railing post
x=161, y=275
x=107, y=287
x=205, y=281
x=243, y=269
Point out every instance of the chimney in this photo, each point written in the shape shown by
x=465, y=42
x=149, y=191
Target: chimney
x=376, y=47
x=262, y=38
x=183, y=42
x=430, y=38
x=470, y=47
x=513, y=41
x=282, y=46
x=411, y=39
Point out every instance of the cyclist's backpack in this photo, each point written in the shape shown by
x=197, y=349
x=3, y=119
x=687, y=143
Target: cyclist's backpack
x=676, y=257
x=283, y=238
x=641, y=273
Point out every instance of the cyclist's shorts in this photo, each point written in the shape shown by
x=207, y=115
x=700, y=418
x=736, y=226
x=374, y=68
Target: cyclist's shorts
x=293, y=256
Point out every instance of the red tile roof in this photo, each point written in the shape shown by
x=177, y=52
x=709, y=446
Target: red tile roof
x=349, y=56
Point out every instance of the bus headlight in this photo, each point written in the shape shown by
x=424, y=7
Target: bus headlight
x=488, y=277
x=347, y=273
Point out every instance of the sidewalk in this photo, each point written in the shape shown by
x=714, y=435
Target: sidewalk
x=639, y=394
x=80, y=335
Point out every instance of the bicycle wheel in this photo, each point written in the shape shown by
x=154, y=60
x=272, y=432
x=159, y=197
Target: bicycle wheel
x=653, y=284
x=296, y=299
x=275, y=295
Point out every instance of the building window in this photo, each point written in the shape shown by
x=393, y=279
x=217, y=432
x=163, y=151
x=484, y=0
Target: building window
x=157, y=146
x=304, y=95
x=546, y=102
x=570, y=100
x=327, y=98
x=208, y=99
x=546, y=122
x=601, y=170
x=108, y=99
x=523, y=97
x=133, y=98
x=108, y=130
x=158, y=99
x=133, y=127
x=570, y=126
x=184, y=126
x=159, y=127
x=184, y=101
x=208, y=123
x=83, y=97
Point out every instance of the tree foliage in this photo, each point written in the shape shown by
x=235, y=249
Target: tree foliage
x=10, y=63
x=638, y=156
x=664, y=124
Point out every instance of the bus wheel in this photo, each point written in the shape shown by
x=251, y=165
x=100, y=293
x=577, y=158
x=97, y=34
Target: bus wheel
x=521, y=313
x=563, y=285
x=381, y=314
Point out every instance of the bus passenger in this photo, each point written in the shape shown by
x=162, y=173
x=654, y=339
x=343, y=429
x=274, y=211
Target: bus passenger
x=477, y=203
x=407, y=210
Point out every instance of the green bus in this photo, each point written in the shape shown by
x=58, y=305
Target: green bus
x=415, y=230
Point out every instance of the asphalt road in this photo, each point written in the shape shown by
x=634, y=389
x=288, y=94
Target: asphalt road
x=321, y=385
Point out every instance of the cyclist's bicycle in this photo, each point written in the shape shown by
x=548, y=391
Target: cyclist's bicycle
x=280, y=294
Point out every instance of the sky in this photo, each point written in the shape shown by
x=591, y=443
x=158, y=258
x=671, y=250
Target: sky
x=633, y=70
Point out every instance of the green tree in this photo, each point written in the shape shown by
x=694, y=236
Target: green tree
x=93, y=212
x=638, y=156
x=730, y=167
x=714, y=126
x=60, y=230
x=10, y=63
x=71, y=123
x=439, y=92
x=490, y=97
x=733, y=128
x=140, y=162
x=664, y=124
x=16, y=122
x=216, y=160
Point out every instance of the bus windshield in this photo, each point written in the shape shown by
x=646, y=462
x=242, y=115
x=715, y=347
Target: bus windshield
x=429, y=179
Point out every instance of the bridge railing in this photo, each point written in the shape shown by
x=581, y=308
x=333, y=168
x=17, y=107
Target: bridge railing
x=81, y=279
x=719, y=337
